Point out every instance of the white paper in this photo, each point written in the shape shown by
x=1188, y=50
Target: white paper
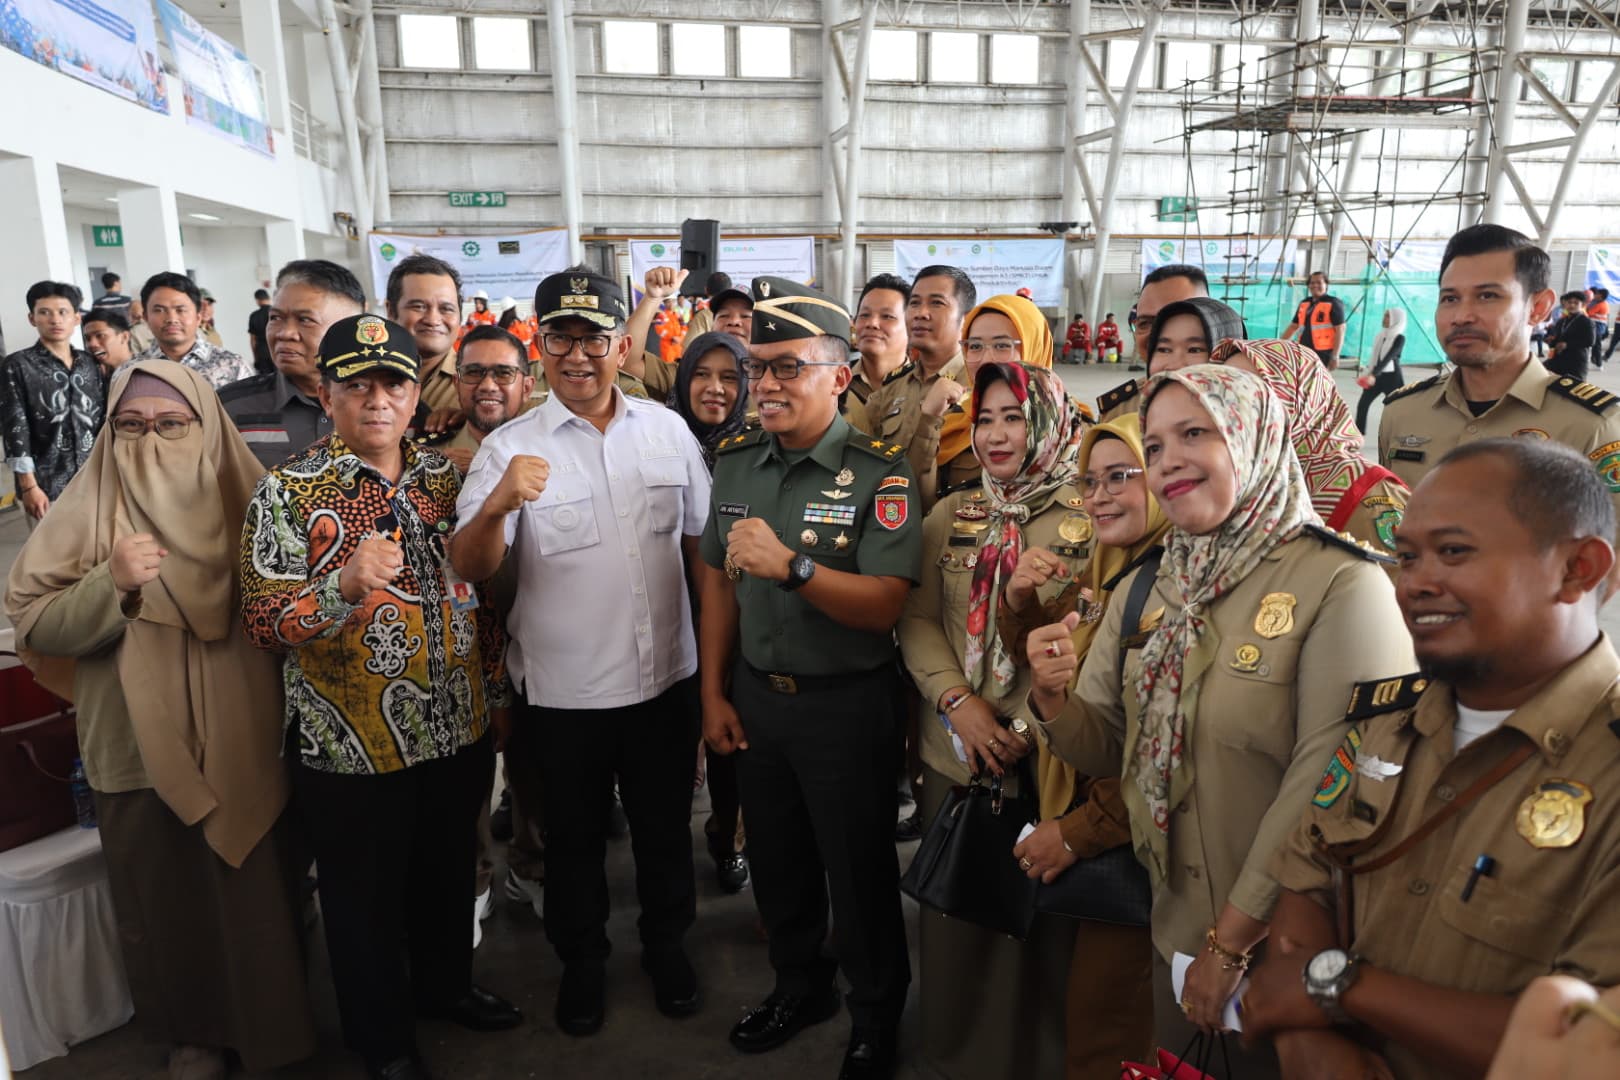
x=1028, y=828
x=1178, y=978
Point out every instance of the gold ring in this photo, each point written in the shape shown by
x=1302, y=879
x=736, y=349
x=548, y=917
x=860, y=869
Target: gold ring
x=1186, y=1008
x=994, y=745
x=1592, y=1008
x=1039, y=564
x=733, y=571
x=1025, y=865
x=1053, y=649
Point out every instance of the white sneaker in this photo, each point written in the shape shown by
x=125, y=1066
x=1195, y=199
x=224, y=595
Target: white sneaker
x=483, y=908
x=528, y=892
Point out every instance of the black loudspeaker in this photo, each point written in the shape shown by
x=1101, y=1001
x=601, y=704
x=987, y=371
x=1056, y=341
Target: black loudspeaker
x=700, y=253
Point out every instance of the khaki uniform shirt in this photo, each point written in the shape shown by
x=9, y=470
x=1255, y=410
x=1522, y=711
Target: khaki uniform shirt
x=1424, y=420
x=1122, y=399
x=1543, y=909
x=701, y=323
x=895, y=412
x=861, y=389
x=850, y=504
x=1374, y=518
x=933, y=630
x=1270, y=710
x=657, y=377
x=439, y=388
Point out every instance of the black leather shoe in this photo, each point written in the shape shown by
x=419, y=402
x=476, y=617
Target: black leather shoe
x=404, y=1068
x=731, y=871
x=480, y=1010
x=581, y=998
x=909, y=829
x=781, y=1017
x=870, y=1055
x=675, y=987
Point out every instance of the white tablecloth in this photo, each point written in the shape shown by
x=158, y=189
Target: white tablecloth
x=61, y=971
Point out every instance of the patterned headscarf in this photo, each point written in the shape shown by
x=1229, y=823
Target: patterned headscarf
x=1273, y=504
x=1053, y=427
x=1034, y=349
x=1320, y=426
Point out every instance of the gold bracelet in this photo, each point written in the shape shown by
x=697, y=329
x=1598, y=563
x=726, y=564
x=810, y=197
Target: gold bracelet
x=1230, y=961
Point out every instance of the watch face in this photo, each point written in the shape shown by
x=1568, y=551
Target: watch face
x=1327, y=966
x=803, y=566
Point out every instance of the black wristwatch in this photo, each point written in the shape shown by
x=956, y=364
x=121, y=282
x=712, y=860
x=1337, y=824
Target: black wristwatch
x=800, y=570
x=1328, y=975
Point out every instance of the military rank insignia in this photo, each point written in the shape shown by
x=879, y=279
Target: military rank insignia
x=1341, y=767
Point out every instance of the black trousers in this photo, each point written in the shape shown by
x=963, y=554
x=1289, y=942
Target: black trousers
x=817, y=783
x=724, y=804
x=394, y=853
x=1383, y=384
x=648, y=746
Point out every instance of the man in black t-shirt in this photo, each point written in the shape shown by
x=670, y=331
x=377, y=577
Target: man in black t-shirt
x=1572, y=338
x=1322, y=319
x=258, y=323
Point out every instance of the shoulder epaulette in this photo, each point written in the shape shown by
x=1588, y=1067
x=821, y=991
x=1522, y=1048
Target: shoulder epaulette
x=747, y=437
x=243, y=387
x=1349, y=543
x=1118, y=396
x=1385, y=695
x=878, y=448
x=1592, y=397
x=899, y=373
x=1412, y=388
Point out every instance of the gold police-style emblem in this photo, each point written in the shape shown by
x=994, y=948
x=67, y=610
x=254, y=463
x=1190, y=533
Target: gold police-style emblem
x=844, y=478
x=1276, y=615
x=1075, y=528
x=371, y=331
x=1554, y=815
x=809, y=538
x=1247, y=658
x=579, y=284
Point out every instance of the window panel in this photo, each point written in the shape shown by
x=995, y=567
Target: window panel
x=893, y=57
x=1185, y=60
x=698, y=49
x=629, y=48
x=501, y=44
x=1015, y=59
x=953, y=58
x=429, y=41
x=765, y=52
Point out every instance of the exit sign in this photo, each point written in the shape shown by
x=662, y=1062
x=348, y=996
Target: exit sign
x=1178, y=208
x=477, y=198
x=109, y=236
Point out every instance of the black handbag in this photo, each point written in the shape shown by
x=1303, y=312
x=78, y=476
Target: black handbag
x=964, y=865
x=1110, y=887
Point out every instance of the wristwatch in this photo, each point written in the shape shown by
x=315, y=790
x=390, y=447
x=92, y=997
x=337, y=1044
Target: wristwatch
x=1328, y=976
x=800, y=570
x=1020, y=727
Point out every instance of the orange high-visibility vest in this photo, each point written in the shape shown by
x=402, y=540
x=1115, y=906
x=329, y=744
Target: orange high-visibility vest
x=1317, y=317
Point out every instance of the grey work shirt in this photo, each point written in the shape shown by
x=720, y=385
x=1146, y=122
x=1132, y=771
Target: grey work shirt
x=276, y=419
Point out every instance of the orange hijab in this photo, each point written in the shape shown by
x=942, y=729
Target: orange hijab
x=1034, y=349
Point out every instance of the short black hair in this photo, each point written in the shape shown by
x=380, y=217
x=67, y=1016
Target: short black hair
x=1319, y=274
x=508, y=318
x=967, y=294
x=833, y=349
x=892, y=282
x=261, y=294
x=111, y=316
x=1194, y=274
x=1555, y=493
x=168, y=279
x=1600, y=292
x=325, y=275
x=495, y=333
x=718, y=282
x=1110, y=315
x=109, y=279
x=44, y=290
x=1531, y=265
x=418, y=264
x=1573, y=294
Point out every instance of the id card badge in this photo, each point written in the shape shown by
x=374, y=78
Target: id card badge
x=463, y=597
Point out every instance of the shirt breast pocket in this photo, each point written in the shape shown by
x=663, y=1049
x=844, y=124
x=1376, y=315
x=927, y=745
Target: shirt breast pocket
x=563, y=517
x=664, y=481
x=888, y=425
x=1248, y=703
x=1509, y=930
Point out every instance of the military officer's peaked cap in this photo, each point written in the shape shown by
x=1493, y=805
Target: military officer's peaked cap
x=785, y=310
x=364, y=343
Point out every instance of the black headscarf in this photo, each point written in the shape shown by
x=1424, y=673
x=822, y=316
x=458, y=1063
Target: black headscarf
x=680, y=398
x=1220, y=322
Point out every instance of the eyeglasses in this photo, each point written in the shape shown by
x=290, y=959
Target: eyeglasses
x=596, y=346
x=503, y=376
x=170, y=427
x=1002, y=348
x=1113, y=481
x=782, y=369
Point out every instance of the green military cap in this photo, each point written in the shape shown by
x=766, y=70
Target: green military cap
x=785, y=310
x=363, y=343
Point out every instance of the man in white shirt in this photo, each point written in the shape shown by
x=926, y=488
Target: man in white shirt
x=600, y=499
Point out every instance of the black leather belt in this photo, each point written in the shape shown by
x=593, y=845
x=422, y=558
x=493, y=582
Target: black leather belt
x=808, y=684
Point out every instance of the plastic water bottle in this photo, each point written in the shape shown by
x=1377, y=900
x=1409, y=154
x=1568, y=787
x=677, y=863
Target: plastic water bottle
x=84, y=802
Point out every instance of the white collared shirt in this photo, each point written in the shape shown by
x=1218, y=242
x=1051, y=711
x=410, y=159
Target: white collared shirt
x=602, y=618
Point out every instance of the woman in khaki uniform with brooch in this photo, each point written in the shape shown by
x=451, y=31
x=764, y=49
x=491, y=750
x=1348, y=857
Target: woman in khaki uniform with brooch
x=991, y=1006
x=1234, y=684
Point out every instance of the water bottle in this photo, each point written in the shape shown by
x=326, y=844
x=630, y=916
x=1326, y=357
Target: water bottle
x=84, y=802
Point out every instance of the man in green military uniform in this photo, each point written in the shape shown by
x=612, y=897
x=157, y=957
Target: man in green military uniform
x=812, y=545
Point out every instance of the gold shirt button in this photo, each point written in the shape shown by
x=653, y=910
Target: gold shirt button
x=1556, y=742
x=1418, y=887
x=1445, y=793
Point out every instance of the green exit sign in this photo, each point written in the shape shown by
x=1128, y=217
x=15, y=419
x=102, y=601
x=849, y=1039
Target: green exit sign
x=478, y=198
x=109, y=236
x=1178, y=208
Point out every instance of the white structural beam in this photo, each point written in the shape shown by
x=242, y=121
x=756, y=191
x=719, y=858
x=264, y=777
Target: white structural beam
x=1549, y=222
x=262, y=41
x=1078, y=198
x=371, y=114
x=1506, y=96
x=150, y=221
x=833, y=128
x=559, y=29
x=852, y=152
x=36, y=239
x=354, y=162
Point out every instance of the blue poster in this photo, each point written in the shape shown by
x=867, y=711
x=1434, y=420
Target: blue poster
x=110, y=44
x=222, y=89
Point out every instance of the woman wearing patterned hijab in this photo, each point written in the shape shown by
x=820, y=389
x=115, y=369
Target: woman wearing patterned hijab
x=1234, y=682
x=991, y=1006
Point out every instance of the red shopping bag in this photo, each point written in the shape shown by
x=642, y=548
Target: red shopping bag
x=1169, y=1066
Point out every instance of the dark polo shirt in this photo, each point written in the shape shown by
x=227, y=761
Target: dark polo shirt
x=275, y=419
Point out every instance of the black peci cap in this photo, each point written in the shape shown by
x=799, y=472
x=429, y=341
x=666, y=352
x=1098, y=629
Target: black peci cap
x=364, y=343
x=588, y=296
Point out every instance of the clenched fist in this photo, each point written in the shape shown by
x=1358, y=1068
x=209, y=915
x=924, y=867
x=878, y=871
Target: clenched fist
x=1036, y=566
x=135, y=561
x=374, y=565
x=1052, y=664
x=663, y=282
x=754, y=549
x=523, y=481
x=941, y=396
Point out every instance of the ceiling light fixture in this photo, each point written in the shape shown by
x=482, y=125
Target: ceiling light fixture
x=204, y=217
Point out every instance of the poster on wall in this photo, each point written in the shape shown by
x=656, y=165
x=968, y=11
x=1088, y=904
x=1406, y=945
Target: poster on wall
x=744, y=258
x=509, y=264
x=110, y=44
x=222, y=89
x=996, y=266
x=1253, y=258
x=1603, y=268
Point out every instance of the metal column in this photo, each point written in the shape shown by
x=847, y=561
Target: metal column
x=370, y=100
x=354, y=162
x=1549, y=224
x=1506, y=105
x=852, y=150
x=558, y=30
x=1074, y=125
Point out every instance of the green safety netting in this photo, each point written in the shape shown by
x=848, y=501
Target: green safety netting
x=1268, y=306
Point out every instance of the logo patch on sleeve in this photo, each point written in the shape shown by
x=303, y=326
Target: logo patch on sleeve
x=893, y=482
x=891, y=511
x=1341, y=767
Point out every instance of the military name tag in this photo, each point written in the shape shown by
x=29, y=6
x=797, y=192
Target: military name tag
x=1554, y=815
x=1407, y=455
x=732, y=509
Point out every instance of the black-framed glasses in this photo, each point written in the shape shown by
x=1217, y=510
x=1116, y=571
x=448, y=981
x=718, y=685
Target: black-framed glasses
x=596, y=346
x=1113, y=481
x=169, y=427
x=503, y=375
x=783, y=368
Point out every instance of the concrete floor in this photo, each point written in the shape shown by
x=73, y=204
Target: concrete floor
x=516, y=962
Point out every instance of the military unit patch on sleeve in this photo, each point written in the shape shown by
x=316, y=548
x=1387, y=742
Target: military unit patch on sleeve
x=1340, y=768
x=891, y=511
x=893, y=482
x=1607, y=460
